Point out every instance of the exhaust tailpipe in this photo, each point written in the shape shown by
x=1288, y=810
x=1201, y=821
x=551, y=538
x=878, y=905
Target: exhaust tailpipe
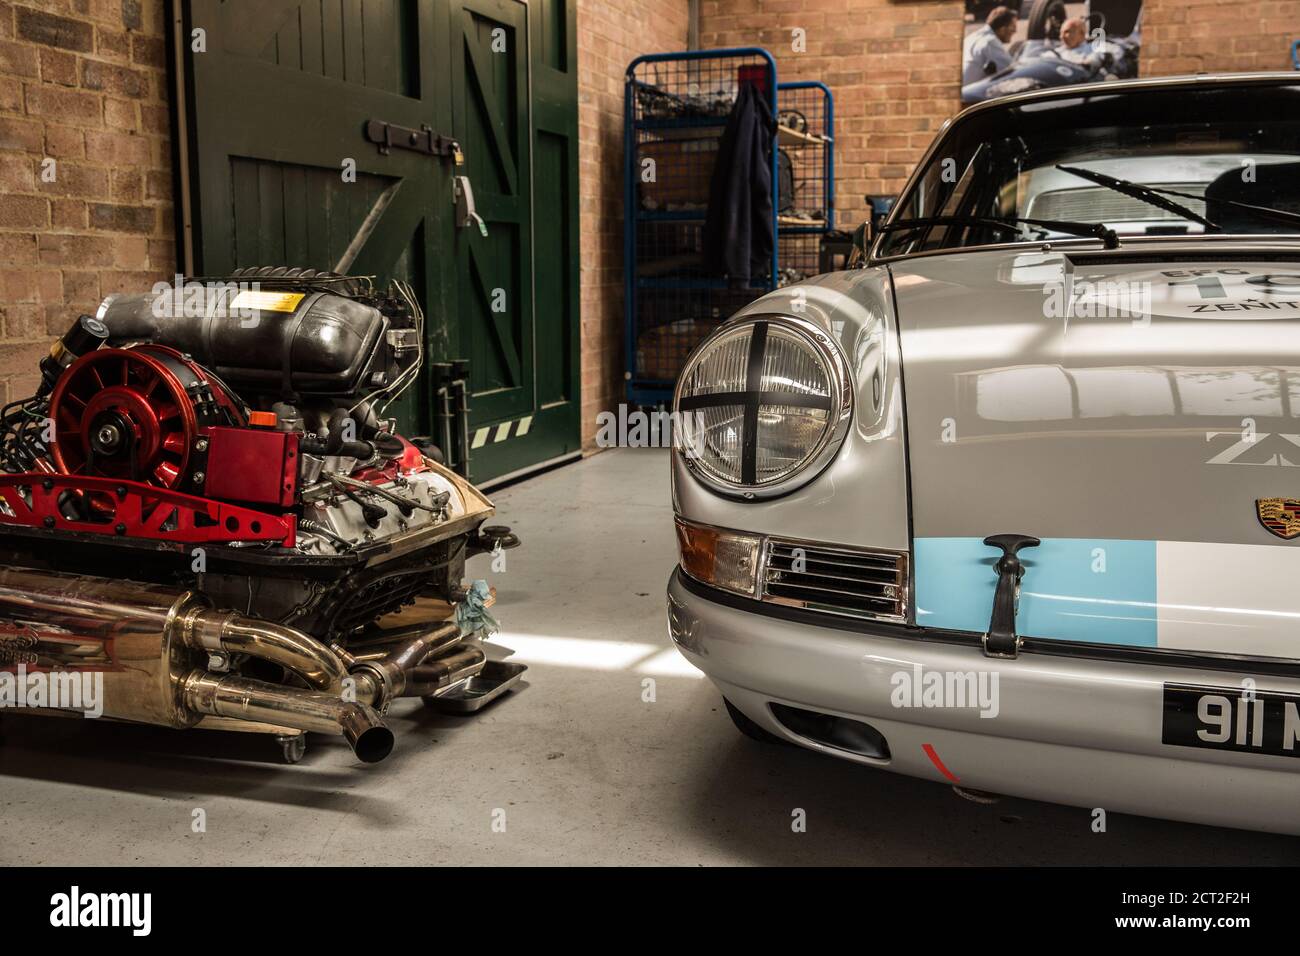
x=244, y=699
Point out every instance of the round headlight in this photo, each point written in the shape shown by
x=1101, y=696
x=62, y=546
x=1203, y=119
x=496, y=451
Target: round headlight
x=763, y=406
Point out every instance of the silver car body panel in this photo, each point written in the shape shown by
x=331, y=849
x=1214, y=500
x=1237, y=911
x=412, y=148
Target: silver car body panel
x=1131, y=431
x=861, y=496
x=1079, y=732
x=1134, y=444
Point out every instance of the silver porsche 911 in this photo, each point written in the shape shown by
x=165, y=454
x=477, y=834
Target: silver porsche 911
x=1015, y=503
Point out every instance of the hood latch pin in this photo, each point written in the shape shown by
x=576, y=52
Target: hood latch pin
x=1001, y=639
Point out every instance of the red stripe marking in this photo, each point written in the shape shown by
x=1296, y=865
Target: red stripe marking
x=934, y=759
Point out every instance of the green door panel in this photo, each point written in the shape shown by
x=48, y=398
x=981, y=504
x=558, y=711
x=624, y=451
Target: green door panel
x=274, y=110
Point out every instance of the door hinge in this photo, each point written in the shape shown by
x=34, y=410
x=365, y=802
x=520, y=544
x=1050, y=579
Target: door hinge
x=422, y=140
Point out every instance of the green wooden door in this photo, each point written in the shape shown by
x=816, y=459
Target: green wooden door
x=279, y=172
x=513, y=66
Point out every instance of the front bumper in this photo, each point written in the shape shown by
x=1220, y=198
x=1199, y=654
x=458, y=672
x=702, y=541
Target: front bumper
x=1064, y=730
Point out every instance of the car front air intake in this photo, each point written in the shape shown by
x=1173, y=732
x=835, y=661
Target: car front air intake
x=836, y=579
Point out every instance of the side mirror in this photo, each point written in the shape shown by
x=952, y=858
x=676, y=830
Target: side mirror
x=861, y=243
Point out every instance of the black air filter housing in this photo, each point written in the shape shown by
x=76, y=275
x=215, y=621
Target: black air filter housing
x=301, y=336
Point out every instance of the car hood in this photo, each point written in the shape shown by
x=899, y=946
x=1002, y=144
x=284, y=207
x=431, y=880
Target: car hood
x=1129, y=408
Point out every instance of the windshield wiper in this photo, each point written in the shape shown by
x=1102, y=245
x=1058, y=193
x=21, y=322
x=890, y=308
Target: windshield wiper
x=1094, y=230
x=1266, y=212
x=1147, y=194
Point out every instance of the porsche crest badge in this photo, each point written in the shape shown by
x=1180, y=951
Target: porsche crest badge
x=1281, y=516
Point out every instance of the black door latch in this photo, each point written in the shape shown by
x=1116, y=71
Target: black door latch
x=1001, y=639
x=422, y=140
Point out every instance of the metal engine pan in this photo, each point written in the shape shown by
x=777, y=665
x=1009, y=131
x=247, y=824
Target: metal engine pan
x=487, y=685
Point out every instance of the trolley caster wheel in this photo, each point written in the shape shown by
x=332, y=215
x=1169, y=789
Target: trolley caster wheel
x=292, y=749
x=499, y=536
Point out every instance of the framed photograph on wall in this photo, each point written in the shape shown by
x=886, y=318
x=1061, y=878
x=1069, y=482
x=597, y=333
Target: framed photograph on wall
x=1011, y=46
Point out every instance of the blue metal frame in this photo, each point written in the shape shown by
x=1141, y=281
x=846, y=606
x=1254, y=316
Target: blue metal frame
x=829, y=158
x=644, y=395
x=1295, y=54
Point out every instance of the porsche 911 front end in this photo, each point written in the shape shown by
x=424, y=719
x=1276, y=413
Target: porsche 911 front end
x=1014, y=505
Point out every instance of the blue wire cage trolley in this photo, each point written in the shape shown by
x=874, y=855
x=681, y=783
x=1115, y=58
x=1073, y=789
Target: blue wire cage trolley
x=805, y=178
x=676, y=107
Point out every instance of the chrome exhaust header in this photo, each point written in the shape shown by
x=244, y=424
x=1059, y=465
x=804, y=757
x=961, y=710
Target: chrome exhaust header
x=151, y=644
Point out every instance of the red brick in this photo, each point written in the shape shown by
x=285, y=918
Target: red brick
x=23, y=361
x=17, y=249
x=64, y=142
x=65, y=106
x=118, y=149
x=120, y=281
x=128, y=185
x=11, y=94
x=122, y=218
x=50, y=30
x=131, y=252
x=16, y=174
x=132, y=14
x=121, y=80
x=24, y=212
x=112, y=44
x=81, y=287
x=68, y=213
x=73, y=179
x=19, y=59
x=120, y=114
x=158, y=184
x=148, y=51
x=77, y=251
x=154, y=119
x=58, y=67
x=162, y=254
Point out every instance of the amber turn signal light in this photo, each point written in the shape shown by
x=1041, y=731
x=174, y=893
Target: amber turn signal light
x=717, y=557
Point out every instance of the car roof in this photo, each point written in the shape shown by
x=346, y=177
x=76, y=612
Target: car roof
x=1273, y=78
x=1208, y=80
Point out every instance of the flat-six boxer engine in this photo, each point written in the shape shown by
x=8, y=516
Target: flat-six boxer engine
x=205, y=503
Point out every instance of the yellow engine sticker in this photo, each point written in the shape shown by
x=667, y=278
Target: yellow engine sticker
x=268, y=301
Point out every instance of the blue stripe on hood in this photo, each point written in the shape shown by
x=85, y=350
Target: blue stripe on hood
x=1098, y=590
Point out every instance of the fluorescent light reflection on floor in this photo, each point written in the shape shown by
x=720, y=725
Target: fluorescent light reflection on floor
x=650, y=659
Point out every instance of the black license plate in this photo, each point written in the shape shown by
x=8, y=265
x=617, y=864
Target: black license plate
x=1232, y=718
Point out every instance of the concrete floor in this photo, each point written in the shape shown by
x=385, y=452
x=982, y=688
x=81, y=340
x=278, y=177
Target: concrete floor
x=585, y=771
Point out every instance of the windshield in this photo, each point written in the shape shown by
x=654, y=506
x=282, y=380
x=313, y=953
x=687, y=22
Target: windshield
x=1234, y=144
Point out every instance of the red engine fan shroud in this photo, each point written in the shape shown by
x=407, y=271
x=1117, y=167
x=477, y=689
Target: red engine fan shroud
x=128, y=413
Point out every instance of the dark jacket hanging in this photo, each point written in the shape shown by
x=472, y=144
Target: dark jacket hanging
x=738, y=230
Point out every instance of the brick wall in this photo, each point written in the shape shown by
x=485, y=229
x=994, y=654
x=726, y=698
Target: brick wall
x=611, y=33
x=82, y=83
x=895, y=65
x=894, y=68
x=1191, y=36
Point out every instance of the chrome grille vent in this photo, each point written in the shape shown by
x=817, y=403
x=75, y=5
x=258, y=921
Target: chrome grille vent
x=836, y=580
